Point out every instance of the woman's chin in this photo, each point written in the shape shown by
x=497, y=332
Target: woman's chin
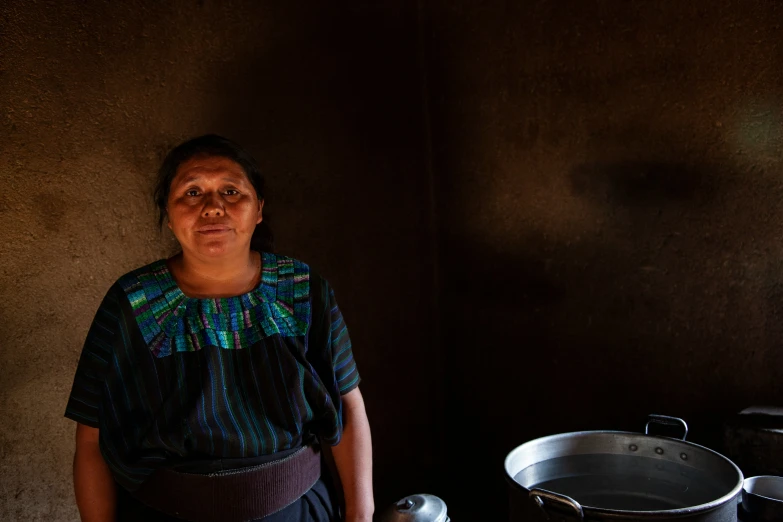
x=216, y=249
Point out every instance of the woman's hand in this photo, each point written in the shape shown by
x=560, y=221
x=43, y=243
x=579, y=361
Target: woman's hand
x=353, y=458
x=92, y=479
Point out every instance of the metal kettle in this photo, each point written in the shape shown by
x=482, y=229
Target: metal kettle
x=416, y=508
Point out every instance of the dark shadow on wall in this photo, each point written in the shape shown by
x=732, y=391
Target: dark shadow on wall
x=671, y=306
x=636, y=184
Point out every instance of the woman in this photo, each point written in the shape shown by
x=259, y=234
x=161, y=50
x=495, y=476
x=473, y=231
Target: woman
x=208, y=380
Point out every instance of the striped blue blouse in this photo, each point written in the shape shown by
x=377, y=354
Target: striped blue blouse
x=168, y=378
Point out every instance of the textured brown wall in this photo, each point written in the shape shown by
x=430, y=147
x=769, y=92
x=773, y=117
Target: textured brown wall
x=610, y=179
x=93, y=93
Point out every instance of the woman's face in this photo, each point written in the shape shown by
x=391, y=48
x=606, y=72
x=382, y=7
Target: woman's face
x=213, y=208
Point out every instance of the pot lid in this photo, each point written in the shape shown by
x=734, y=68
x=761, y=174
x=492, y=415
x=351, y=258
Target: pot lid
x=416, y=508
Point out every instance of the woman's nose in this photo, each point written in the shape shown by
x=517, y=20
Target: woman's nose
x=212, y=207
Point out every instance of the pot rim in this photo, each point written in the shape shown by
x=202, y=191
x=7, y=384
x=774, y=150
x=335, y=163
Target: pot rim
x=736, y=490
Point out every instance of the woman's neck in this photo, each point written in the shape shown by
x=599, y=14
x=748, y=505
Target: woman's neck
x=204, y=278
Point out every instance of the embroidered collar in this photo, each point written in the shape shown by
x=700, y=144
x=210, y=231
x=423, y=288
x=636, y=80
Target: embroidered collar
x=172, y=322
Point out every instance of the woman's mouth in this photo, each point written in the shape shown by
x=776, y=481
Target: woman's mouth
x=212, y=229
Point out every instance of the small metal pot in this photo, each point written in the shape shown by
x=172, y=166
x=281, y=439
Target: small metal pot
x=621, y=476
x=762, y=497
x=416, y=508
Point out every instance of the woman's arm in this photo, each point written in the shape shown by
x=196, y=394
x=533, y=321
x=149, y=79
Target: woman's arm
x=92, y=480
x=353, y=458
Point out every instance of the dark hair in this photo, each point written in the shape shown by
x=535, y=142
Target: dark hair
x=217, y=146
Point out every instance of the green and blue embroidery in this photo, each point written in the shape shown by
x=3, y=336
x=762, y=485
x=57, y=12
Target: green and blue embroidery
x=171, y=322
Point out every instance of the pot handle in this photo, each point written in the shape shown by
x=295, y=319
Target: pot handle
x=538, y=496
x=666, y=421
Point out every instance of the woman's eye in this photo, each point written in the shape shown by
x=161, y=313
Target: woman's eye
x=232, y=192
x=192, y=193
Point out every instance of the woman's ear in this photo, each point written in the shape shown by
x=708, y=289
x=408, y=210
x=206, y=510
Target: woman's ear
x=260, y=211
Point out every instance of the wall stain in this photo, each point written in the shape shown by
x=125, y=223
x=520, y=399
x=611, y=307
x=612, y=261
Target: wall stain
x=643, y=183
x=50, y=211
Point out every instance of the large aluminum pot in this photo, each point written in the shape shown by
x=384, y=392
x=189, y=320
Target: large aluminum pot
x=613, y=475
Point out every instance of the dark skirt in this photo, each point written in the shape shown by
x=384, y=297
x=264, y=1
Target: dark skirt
x=316, y=505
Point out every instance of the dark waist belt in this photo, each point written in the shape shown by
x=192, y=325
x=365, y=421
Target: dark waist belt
x=232, y=496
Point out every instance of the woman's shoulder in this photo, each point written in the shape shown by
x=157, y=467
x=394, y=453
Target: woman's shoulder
x=271, y=260
x=153, y=273
x=282, y=265
x=122, y=290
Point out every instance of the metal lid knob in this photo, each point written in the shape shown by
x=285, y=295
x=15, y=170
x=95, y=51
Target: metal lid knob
x=404, y=504
x=416, y=508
